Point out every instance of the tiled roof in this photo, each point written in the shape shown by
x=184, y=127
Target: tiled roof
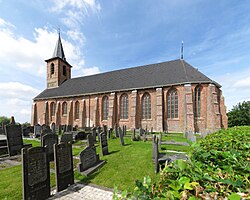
x=149, y=76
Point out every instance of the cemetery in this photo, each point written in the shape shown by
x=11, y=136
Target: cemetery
x=36, y=164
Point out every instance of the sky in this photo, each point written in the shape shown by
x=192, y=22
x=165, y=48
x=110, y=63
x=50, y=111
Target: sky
x=101, y=35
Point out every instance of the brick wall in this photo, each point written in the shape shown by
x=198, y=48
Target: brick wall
x=213, y=111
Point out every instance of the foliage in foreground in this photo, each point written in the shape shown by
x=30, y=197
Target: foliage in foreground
x=219, y=167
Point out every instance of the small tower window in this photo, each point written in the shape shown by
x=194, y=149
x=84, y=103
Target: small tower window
x=52, y=69
x=105, y=106
x=77, y=110
x=64, y=70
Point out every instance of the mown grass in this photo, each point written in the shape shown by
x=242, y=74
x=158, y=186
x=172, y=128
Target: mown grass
x=123, y=166
x=11, y=183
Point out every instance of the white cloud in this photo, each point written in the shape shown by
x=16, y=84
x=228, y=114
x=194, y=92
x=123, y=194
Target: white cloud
x=235, y=87
x=243, y=83
x=90, y=71
x=16, y=100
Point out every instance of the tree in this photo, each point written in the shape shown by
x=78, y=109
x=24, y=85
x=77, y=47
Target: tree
x=239, y=115
x=4, y=120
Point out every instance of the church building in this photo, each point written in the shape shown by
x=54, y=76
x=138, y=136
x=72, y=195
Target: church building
x=169, y=96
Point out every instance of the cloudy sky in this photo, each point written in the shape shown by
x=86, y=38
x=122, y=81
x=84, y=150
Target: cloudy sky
x=104, y=35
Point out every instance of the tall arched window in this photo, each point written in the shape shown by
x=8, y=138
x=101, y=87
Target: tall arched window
x=173, y=104
x=52, y=109
x=197, y=101
x=64, y=70
x=52, y=69
x=77, y=110
x=105, y=108
x=124, y=107
x=146, y=106
x=64, y=108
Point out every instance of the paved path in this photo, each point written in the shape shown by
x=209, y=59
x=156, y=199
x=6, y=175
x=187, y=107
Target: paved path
x=86, y=192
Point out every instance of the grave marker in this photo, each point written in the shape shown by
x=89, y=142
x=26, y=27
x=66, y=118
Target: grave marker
x=104, y=144
x=94, y=133
x=67, y=137
x=14, y=139
x=48, y=140
x=63, y=165
x=121, y=138
x=90, y=140
x=36, y=174
x=89, y=161
x=53, y=127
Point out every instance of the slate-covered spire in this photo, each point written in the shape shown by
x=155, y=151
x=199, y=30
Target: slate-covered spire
x=58, y=52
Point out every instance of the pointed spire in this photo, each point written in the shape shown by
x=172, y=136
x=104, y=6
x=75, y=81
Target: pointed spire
x=58, y=52
x=182, y=50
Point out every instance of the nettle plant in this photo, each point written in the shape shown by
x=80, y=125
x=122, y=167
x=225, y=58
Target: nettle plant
x=219, y=167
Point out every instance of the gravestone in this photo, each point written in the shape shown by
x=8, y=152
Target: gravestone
x=89, y=161
x=94, y=133
x=67, y=137
x=120, y=132
x=141, y=131
x=12, y=120
x=116, y=131
x=90, y=141
x=121, y=138
x=154, y=147
x=36, y=174
x=60, y=129
x=160, y=140
x=53, y=127
x=99, y=130
x=64, y=128
x=69, y=128
x=37, y=130
x=110, y=132
x=14, y=139
x=155, y=154
x=64, y=166
x=104, y=144
x=133, y=135
x=105, y=129
x=48, y=140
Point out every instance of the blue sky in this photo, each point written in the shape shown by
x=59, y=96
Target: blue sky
x=101, y=35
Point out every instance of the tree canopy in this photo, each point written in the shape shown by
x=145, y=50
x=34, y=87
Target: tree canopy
x=4, y=120
x=239, y=115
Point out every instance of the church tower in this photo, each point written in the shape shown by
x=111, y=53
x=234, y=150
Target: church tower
x=58, y=69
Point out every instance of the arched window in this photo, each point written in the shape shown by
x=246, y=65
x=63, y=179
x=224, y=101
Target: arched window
x=77, y=109
x=64, y=70
x=64, y=108
x=197, y=101
x=105, y=107
x=52, y=69
x=146, y=106
x=124, y=107
x=52, y=109
x=173, y=104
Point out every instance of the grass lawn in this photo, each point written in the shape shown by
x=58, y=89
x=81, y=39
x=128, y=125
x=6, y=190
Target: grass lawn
x=123, y=166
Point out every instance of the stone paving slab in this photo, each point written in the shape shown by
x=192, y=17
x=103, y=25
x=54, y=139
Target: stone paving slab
x=86, y=192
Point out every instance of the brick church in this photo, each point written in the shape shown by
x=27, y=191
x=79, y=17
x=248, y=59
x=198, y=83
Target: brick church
x=169, y=96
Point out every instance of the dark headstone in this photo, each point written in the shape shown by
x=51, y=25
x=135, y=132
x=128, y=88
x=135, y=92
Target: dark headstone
x=67, y=137
x=37, y=130
x=141, y=132
x=116, y=131
x=104, y=144
x=90, y=140
x=105, y=129
x=63, y=165
x=12, y=120
x=64, y=128
x=36, y=175
x=120, y=132
x=81, y=135
x=53, y=127
x=94, y=133
x=44, y=127
x=110, y=132
x=89, y=161
x=60, y=129
x=155, y=153
x=14, y=139
x=133, y=135
x=160, y=140
x=48, y=140
x=121, y=138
